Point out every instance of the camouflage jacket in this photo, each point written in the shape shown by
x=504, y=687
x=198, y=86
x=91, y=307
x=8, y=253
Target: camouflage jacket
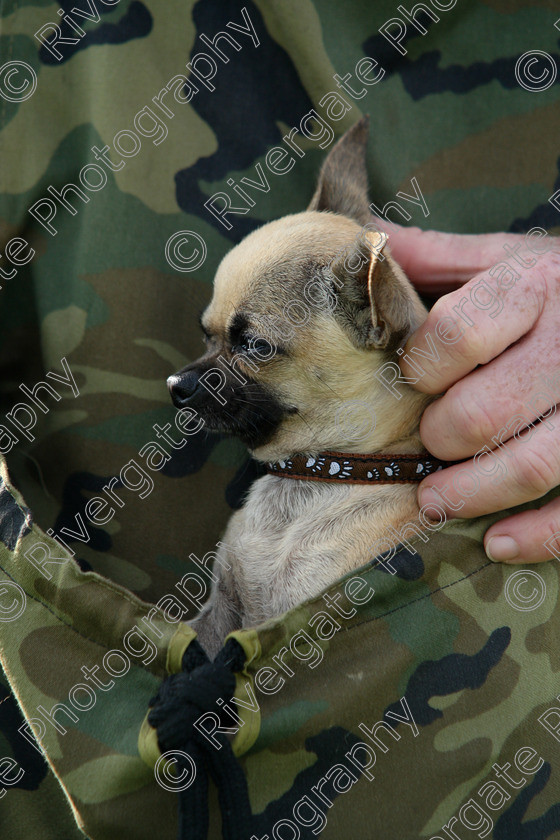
x=102, y=283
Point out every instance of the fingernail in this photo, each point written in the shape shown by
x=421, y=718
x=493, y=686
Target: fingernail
x=502, y=549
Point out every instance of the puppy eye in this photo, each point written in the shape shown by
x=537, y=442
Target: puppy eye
x=260, y=345
x=250, y=344
x=245, y=345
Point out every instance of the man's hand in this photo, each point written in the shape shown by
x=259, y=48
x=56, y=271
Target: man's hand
x=492, y=348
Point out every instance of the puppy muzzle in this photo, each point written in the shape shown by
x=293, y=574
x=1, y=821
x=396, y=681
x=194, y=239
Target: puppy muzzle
x=185, y=388
x=246, y=409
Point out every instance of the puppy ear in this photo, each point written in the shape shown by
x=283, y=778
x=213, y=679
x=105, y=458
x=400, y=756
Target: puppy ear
x=343, y=181
x=375, y=299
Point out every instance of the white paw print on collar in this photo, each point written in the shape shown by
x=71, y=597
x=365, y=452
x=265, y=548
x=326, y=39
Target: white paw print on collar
x=341, y=469
x=280, y=465
x=392, y=469
x=315, y=464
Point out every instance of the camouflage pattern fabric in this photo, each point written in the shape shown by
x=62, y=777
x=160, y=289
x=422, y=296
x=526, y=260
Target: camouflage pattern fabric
x=433, y=668
x=100, y=294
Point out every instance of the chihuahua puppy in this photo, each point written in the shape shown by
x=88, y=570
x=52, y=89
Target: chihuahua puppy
x=284, y=387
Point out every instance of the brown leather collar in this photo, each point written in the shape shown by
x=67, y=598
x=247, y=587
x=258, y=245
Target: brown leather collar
x=346, y=468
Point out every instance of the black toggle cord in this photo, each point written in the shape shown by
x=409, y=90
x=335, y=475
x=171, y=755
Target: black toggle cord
x=180, y=701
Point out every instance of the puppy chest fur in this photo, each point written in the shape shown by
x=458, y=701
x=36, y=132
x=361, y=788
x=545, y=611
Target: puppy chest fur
x=293, y=538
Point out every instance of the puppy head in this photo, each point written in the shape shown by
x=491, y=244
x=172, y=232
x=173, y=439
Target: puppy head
x=304, y=311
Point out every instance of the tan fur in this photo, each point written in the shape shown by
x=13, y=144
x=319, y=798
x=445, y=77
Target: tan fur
x=325, y=370
x=293, y=538
x=290, y=541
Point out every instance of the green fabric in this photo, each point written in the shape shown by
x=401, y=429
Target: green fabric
x=474, y=657
x=102, y=295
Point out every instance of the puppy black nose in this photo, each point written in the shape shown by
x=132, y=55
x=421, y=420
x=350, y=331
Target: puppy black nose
x=182, y=387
